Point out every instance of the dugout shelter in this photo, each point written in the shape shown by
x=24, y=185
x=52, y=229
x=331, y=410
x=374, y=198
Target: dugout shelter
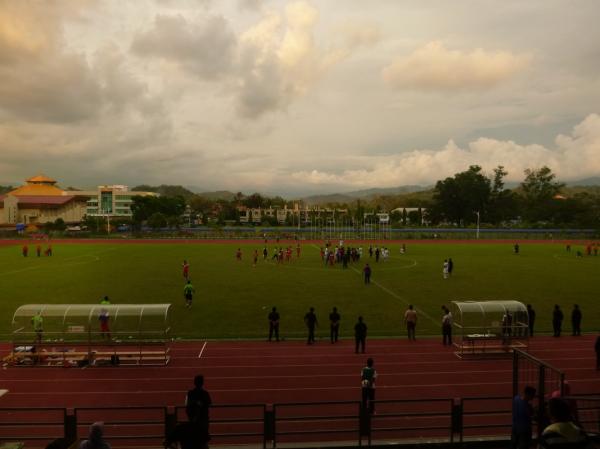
x=489, y=327
x=73, y=335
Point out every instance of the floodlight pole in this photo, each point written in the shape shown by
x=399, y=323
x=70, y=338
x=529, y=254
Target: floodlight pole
x=477, y=213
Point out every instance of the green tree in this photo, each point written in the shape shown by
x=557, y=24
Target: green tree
x=157, y=220
x=457, y=199
x=538, y=191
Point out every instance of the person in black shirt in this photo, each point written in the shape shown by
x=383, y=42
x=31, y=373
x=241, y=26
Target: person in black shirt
x=334, y=320
x=274, y=324
x=557, y=318
x=576, y=320
x=531, y=316
x=360, y=335
x=310, y=319
x=450, y=266
x=197, y=404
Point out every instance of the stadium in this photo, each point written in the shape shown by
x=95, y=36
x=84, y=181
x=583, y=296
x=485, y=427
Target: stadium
x=299, y=224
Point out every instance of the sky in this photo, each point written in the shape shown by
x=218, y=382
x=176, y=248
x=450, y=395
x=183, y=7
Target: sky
x=296, y=97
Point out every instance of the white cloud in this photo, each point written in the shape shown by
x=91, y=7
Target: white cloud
x=433, y=66
x=575, y=156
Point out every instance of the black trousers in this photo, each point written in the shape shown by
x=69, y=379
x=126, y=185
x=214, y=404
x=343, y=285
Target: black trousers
x=410, y=328
x=360, y=341
x=335, y=330
x=311, y=335
x=368, y=396
x=273, y=329
x=531, y=328
x=447, y=335
x=576, y=327
x=557, y=325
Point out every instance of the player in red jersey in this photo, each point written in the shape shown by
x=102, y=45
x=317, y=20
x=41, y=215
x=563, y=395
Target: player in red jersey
x=186, y=270
x=238, y=255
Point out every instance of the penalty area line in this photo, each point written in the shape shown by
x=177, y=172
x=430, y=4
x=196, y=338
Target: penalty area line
x=202, y=350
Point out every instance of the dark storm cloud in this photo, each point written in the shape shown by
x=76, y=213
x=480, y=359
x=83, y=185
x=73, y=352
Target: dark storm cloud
x=205, y=48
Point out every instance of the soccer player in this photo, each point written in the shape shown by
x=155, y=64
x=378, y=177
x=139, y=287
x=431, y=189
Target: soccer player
x=25, y=250
x=298, y=250
x=38, y=250
x=450, y=266
x=188, y=293
x=367, y=378
x=445, y=269
x=334, y=325
x=255, y=258
x=238, y=255
x=516, y=248
x=360, y=335
x=367, y=274
x=186, y=270
x=410, y=318
x=265, y=253
x=310, y=319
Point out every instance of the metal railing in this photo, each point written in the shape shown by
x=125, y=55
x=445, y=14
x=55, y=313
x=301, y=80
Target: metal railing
x=344, y=422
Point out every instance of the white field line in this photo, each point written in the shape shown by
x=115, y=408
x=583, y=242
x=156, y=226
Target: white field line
x=202, y=350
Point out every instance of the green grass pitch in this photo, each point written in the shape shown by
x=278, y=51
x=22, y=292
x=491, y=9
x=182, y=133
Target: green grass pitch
x=233, y=298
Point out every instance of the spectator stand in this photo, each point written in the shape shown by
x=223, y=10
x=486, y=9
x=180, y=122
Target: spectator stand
x=484, y=328
x=137, y=334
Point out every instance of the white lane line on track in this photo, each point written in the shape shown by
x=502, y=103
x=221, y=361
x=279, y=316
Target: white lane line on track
x=202, y=350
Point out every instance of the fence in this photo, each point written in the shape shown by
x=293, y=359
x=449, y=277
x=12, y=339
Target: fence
x=259, y=424
x=546, y=379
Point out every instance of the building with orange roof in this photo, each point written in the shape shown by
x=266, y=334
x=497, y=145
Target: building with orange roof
x=41, y=201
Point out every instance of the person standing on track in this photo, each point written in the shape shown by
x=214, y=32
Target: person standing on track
x=531, y=316
x=557, y=319
x=360, y=335
x=310, y=319
x=334, y=325
x=576, y=320
x=410, y=319
x=446, y=326
x=274, y=324
x=367, y=380
x=188, y=293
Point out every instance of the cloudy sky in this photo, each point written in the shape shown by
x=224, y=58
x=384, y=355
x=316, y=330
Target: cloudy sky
x=296, y=97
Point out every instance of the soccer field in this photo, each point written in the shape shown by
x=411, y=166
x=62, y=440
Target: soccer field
x=233, y=298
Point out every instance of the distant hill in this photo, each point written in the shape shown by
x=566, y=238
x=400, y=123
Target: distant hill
x=165, y=190
x=217, y=195
x=387, y=191
x=593, y=181
x=366, y=194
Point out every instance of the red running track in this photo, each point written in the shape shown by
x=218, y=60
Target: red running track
x=250, y=372
x=266, y=373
